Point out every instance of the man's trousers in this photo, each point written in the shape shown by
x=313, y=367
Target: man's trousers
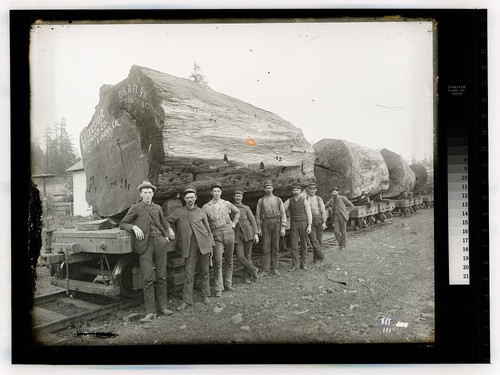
x=316, y=238
x=243, y=250
x=156, y=253
x=271, y=229
x=224, y=246
x=298, y=232
x=194, y=257
x=340, y=230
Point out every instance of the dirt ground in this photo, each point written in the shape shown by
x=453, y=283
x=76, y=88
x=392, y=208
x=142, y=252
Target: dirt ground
x=380, y=290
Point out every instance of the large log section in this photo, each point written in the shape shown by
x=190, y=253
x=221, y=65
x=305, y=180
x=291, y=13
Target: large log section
x=358, y=171
x=402, y=178
x=174, y=132
x=421, y=177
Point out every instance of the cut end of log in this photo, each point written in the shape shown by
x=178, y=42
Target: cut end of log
x=173, y=132
x=357, y=170
x=402, y=178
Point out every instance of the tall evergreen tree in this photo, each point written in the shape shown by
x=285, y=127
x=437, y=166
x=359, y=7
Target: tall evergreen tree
x=60, y=153
x=37, y=157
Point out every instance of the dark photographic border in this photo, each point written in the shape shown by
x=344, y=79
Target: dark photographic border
x=462, y=312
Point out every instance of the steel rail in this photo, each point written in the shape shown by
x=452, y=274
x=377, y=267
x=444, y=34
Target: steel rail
x=48, y=297
x=67, y=322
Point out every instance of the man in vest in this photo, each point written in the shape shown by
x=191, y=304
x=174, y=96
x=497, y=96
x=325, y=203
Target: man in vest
x=300, y=227
x=271, y=223
x=218, y=211
x=196, y=242
x=340, y=209
x=146, y=220
x=319, y=216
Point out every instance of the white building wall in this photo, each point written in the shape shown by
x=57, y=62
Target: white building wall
x=80, y=205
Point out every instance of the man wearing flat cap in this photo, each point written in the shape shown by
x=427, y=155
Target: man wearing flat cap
x=319, y=216
x=219, y=214
x=271, y=223
x=300, y=226
x=197, y=242
x=245, y=234
x=340, y=209
x=151, y=232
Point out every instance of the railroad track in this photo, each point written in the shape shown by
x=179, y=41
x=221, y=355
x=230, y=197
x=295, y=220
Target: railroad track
x=329, y=236
x=48, y=320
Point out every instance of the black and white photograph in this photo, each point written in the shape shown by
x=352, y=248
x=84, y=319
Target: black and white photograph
x=234, y=181
x=288, y=188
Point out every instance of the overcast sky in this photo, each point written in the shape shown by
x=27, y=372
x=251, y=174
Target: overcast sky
x=369, y=83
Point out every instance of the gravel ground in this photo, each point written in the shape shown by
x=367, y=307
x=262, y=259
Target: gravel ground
x=381, y=290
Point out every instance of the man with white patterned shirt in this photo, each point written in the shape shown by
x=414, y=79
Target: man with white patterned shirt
x=218, y=212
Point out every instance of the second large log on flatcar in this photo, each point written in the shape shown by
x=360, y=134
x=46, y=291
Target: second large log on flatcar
x=402, y=178
x=357, y=170
x=174, y=132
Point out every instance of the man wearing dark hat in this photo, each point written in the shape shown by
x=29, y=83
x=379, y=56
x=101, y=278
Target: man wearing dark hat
x=319, y=216
x=300, y=226
x=245, y=234
x=340, y=209
x=271, y=223
x=151, y=235
x=218, y=212
x=196, y=241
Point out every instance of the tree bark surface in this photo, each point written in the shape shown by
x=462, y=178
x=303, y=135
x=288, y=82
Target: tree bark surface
x=175, y=132
x=356, y=170
x=421, y=177
x=402, y=178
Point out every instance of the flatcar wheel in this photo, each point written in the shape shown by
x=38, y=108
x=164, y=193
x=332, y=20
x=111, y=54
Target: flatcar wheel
x=402, y=211
x=53, y=270
x=122, y=273
x=356, y=224
x=363, y=223
x=352, y=224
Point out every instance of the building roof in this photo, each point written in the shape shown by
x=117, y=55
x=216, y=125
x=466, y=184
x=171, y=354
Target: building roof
x=78, y=166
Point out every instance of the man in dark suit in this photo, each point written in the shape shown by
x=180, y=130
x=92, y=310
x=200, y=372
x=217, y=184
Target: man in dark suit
x=245, y=234
x=197, y=242
x=340, y=209
x=151, y=235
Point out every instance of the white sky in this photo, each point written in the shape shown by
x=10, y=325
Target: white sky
x=368, y=83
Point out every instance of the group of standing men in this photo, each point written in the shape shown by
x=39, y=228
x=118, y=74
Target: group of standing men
x=213, y=233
